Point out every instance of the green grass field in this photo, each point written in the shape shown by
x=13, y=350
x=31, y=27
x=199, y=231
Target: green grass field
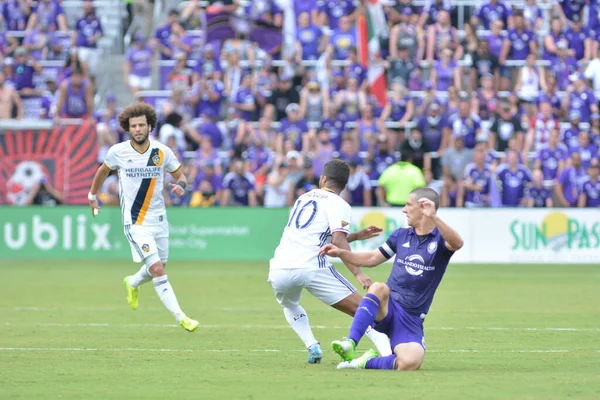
x=494, y=332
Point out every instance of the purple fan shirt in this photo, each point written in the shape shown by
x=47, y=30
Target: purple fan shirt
x=163, y=34
x=582, y=101
x=570, y=179
x=293, y=131
x=539, y=195
x=513, y=184
x=380, y=163
x=576, y=41
x=549, y=159
x=335, y=9
x=496, y=43
x=87, y=28
x=258, y=157
x=465, y=127
x=47, y=13
x=479, y=176
x=519, y=43
x=336, y=128
x=572, y=7
x=432, y=129
x=587, y=153
x=140, y=60
x=309, y=39
x=592, y=192
x=489, y=13
x=23, y=76
x=35, y=37
x=240, y=187
x=245, y=97
x=562, y=69
x=211, y=130
x=14, y=18
x=357, y=184
x=205, y=103
x=342, y=43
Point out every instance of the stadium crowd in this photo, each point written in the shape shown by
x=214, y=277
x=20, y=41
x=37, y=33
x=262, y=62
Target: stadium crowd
x=501, y=112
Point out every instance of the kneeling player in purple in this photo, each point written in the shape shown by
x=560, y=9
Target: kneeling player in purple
x=398, y=307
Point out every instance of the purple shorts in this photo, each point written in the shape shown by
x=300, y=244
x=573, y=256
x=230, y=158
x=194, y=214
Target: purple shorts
x=400, y=326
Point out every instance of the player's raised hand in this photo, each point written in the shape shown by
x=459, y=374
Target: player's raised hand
x=364, y=280
x=368, y=232
x=330, y=250
x=177, y=189
x=427, y=207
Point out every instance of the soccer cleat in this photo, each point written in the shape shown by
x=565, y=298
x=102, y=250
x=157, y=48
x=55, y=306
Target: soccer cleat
x=360, y=362
x=132, y=294
x=189, y=324
x=344, y=348
x=315, y=354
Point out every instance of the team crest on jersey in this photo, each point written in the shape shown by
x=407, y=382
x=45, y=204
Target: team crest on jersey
x=146, y=248
x=156, y=159
x=345, y=224
x=432, y=247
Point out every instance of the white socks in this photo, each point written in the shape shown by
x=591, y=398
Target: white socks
x=298, y=320
x=140, y=277
x=380, y=341
x=167, y=296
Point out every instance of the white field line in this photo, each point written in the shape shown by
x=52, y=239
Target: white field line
x=225, y=326
x=129, y=349
x=100, y=309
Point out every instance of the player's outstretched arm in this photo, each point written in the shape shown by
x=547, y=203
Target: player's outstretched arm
x=367, y=233
x=339, y=240
x=101, y=175
x=367, y=260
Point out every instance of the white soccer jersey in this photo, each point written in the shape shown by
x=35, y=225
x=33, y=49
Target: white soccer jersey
x=141, y=180
x=314, y=218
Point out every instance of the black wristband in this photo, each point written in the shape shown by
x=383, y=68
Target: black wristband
x=182, y=184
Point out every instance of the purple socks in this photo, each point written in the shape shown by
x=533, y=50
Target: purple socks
x=388, y=362
x=364, y=317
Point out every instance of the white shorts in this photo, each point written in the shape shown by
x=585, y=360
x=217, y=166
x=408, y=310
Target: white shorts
x=326, y=284
x=148, y=240
x=140, y=82
x=90, y=57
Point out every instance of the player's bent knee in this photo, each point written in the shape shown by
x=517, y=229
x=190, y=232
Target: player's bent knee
x=408, y=365
x=155, y=266
x=381, y=290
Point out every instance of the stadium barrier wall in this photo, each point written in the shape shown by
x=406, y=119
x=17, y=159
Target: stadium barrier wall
x=491, y=236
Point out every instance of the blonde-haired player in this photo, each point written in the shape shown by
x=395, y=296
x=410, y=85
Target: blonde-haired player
x=141, y=164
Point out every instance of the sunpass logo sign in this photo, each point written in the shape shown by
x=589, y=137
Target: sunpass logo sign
x=70, y=233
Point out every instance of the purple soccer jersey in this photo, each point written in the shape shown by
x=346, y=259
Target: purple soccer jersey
x=293, y=131
x=591, y=191
x=357, y=184
x=140, y=60
x=76, y=102
x=36, y=38
x=23, y=76
x=380, y=163
x=205, y=102
x=495, y=43
x=418, y=268
x=309, y=39
x=582, y=101
x=445, y=75
x=576, y=41
x=47, y=14
x=336, y=128
x=489, y=13
x=514, y=183
x=240, y=186
x=342, y=43
x=14, y=18
x=87, y=28
x=481, y=177
x=258, y=157
x=562, y=70
x=465, y=127
x=432, y=128
x=587, y=153
x=519, y=43
x=570, y=179
x=550, y=158
x=572, y=7
x=163, y=34
x=539, y=195
x=245, y=97
x=335, y=9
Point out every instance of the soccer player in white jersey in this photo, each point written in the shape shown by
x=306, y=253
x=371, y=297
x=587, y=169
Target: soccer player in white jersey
x=141, y=164
x=319, y=217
